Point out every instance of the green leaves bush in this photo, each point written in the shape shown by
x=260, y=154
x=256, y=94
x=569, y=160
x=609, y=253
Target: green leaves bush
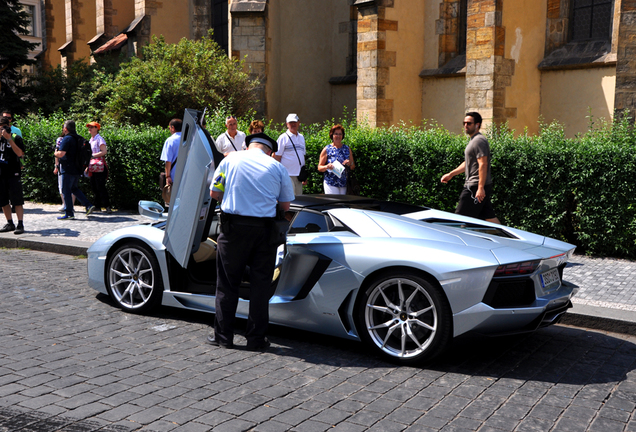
x=579, y=190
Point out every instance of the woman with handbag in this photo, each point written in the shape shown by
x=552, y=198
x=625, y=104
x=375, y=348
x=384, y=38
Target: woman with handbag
x=336, y=161
x=97, y=169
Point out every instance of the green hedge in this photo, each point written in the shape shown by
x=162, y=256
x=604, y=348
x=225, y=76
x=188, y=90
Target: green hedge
x=580, y=190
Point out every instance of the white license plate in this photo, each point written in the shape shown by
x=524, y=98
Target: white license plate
x=550, y=277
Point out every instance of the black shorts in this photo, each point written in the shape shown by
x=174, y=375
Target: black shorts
x=469, y=206
x=11, y=190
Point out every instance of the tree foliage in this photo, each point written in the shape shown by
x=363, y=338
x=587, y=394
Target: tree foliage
x=14, y=51
x=171, y=77
x=52, y=90
x=79, y=89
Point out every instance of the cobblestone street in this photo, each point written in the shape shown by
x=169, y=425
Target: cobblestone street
x=71, y=361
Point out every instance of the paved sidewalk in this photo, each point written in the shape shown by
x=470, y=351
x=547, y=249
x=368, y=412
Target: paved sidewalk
x=606, y=299
x=71, y=237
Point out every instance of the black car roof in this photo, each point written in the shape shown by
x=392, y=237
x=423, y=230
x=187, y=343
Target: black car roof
x=326, y=202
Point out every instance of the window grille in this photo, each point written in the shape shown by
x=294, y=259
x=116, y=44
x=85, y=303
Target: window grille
x=30, y=11
x=591, y=19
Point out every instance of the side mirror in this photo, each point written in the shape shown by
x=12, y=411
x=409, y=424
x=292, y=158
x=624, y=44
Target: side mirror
x=151, y=210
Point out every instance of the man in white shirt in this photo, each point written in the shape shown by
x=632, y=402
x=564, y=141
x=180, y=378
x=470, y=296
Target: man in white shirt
x=232, y=139
x=291, y=152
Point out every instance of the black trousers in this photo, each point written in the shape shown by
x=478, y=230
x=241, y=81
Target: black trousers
x=98, y=184
x=238, y=245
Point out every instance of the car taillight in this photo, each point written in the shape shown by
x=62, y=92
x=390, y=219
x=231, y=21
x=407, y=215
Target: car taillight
x=516, y=269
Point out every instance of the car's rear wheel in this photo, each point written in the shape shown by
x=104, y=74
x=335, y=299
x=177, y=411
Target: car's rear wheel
x=404, y=317
x=134, y=278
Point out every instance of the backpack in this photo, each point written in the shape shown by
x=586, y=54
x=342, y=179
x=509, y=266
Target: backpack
x=84, y=153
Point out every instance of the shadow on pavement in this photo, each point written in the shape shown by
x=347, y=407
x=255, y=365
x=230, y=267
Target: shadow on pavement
x=556, y=354
x=96, y=217
x=66, y=232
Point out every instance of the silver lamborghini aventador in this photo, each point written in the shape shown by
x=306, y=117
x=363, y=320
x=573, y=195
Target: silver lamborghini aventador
x=403, y=279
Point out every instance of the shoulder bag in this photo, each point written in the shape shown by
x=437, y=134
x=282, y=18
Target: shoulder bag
x=304, y=174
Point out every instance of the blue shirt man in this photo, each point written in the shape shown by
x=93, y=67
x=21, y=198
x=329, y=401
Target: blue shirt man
x=170, y=149
x=242, y=195
x=250, y=186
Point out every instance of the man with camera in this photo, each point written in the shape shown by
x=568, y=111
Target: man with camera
x=9, y=114
x=11, y=150
x=291, y=153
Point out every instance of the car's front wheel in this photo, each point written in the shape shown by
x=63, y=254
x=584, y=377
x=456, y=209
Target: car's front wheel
x=134, y=278
x=404, y=317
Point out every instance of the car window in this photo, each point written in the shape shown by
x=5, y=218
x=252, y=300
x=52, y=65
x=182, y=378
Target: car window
x=308, y=222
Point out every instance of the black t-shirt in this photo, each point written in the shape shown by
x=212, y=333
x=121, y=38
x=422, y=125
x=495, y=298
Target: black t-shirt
x=68, y=163
x=9, y=161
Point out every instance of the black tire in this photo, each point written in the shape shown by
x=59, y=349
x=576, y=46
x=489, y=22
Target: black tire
x=133, y=278
x=404, y=318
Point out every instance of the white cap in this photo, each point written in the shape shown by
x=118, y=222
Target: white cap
x=292, y=118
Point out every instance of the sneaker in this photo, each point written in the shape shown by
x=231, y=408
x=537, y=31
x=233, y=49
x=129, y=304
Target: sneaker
x=65, y=217
x=109, y=210
x=19, y=229
x=62, y=210
x=7, y=227
x=90, y=209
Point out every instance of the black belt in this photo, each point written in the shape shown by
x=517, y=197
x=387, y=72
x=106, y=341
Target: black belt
x=246, y=220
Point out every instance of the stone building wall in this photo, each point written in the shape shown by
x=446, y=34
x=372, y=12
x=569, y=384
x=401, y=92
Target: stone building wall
x=374, y=62
x=625, y=96
x=488, y=72
x=248, y=41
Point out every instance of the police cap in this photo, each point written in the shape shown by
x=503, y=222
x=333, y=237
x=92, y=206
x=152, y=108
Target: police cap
x=262, y=138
